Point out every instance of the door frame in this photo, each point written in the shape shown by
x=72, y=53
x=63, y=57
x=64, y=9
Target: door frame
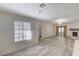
x=65, y=30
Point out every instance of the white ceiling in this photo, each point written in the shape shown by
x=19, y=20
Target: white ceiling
x=52, y=11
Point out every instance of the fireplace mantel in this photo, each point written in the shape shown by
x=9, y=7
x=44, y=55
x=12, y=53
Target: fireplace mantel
x=74, y=29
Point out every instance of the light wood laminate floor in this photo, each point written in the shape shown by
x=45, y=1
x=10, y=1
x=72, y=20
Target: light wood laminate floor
x=54, y=46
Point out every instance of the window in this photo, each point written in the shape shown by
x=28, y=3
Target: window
x=22, y=31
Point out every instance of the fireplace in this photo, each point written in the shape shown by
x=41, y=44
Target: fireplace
x=75, y=34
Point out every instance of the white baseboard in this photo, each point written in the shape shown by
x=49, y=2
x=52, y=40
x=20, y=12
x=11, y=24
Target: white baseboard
x=49, y=37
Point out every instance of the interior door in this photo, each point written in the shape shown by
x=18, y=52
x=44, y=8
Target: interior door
x=40, y=32
x=56, y=30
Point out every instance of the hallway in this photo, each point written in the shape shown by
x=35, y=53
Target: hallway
x=56, y=46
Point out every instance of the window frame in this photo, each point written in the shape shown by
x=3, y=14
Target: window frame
x=22, y=29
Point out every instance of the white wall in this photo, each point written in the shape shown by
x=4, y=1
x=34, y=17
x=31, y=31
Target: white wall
x=7, y=43
x=47, y=30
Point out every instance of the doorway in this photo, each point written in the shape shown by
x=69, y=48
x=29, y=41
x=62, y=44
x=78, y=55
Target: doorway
x=40, y=33
x=61, y=30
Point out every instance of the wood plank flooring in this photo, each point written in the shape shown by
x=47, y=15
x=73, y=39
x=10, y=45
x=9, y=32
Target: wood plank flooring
x=54, y=46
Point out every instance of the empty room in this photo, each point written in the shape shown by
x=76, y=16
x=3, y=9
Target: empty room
x=39, y=29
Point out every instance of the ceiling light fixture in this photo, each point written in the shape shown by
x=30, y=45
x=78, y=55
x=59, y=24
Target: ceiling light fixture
x=42, y=5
